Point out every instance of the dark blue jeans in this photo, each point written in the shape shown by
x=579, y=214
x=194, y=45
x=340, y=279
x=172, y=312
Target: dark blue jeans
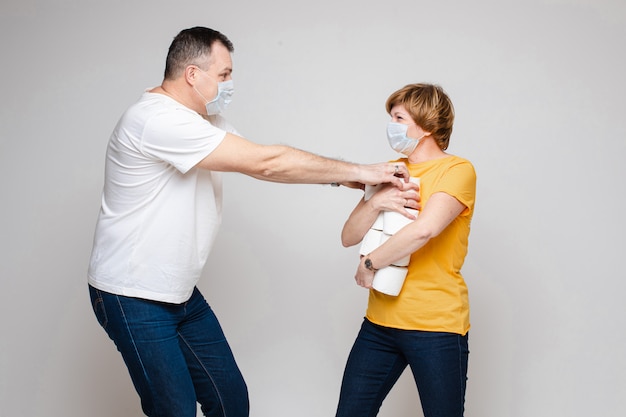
x=380, y=355
x=176, y=355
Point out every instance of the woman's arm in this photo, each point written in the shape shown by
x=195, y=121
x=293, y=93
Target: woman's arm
x=388, y=198
x=438, y=213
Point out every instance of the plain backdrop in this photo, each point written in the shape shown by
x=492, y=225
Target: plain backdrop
x=539, y=92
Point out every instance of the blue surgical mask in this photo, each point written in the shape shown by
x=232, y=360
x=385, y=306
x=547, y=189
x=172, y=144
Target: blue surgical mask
x=223, y=98
x=225, y=90
x=398, y=140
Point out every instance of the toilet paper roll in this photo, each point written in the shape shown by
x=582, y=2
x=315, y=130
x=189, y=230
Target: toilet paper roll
x=370, y=190
x=389, y=280
x=379, y=223
x=394, y=221
x=370, y=241
x=400, y=262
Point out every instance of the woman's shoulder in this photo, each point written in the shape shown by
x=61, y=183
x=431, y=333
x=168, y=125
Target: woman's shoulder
x=460, y=164
x=455, y=159
x=444, y=161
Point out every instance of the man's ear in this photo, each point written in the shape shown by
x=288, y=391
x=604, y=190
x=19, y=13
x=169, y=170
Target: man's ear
x=191, y=74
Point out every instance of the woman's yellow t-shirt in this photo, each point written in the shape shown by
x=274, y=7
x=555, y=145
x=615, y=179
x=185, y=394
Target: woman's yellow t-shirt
x=434, y=296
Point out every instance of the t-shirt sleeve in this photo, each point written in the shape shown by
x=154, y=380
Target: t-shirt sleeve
x=220, y=122
x=180, y=138
x=459, y=181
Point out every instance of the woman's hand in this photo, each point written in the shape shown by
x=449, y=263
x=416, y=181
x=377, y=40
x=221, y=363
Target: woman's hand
x=364, y=277
x=390, y=198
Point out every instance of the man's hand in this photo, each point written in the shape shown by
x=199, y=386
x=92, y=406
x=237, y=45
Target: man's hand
x=395, y=173
x=352, y=184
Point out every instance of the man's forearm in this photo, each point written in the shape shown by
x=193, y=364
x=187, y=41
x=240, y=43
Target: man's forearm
x=290, y=165
x=280, y=163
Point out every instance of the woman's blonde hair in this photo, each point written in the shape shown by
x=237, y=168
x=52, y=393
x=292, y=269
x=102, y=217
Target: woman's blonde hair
x=429, y=107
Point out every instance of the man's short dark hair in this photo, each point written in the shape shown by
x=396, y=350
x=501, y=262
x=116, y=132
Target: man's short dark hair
x=191, y=46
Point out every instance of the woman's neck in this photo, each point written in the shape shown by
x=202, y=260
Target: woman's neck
x=427, y=150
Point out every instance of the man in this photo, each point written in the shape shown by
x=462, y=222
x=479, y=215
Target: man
x=161, y=209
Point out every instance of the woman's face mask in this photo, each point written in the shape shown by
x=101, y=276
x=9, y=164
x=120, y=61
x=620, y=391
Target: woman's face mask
x=398, y=140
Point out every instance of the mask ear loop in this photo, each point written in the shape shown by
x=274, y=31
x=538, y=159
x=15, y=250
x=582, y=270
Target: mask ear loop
x=200, y=94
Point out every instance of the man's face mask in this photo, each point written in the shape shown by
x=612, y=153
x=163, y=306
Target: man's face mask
x=223, y=98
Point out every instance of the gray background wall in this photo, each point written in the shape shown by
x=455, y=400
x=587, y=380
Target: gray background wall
x=539, y=92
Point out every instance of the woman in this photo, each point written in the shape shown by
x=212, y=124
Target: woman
x=426, y=325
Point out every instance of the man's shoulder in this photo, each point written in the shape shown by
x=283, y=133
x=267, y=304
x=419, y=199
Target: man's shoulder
x=161, y=109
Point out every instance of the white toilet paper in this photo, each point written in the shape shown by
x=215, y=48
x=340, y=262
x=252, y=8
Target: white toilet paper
x=379, y=223
x=370, y=241
x=370, y=190
x=389, y=280
x=400, y=262
x=393, y=221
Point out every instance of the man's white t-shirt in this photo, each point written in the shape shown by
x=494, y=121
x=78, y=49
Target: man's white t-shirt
x=160, y=214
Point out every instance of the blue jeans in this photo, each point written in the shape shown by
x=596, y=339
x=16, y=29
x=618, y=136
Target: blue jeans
x=176, y=355
x=380, y=355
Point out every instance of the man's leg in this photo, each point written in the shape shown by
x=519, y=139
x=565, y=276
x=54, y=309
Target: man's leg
x=219, y=385
x=146, y=334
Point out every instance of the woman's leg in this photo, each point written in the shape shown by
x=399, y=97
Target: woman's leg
x=374, y=365
x=439, y=365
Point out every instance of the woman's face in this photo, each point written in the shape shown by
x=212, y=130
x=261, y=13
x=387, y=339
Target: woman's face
x=400, y=115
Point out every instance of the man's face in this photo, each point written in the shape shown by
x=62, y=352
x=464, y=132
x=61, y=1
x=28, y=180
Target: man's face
x=221, y=64
x=220, y=70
